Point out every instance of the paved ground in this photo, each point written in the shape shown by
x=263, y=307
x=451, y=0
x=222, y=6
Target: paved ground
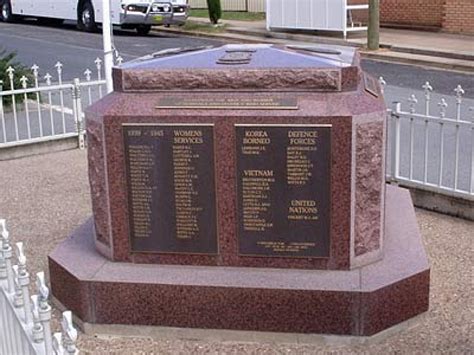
x=45, y=197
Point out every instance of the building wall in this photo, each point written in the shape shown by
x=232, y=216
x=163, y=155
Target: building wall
x=448, y=15
x=459, y=16
x=417, y=13
x=427, y=13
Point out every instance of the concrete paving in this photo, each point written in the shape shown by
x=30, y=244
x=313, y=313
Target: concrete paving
x=45, y=197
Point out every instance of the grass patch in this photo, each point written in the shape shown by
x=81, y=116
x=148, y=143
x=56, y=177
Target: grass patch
x=230, y=15
x=203, y=27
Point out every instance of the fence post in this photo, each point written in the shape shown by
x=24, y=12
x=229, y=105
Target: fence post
x=69, y=333
x=2, y=114
x=24, y=281
x=78, y=117
x=37, y=330
x=44, y=311
x=3, y=266
x=7, y=256
x=395, y=142
x=18, y=301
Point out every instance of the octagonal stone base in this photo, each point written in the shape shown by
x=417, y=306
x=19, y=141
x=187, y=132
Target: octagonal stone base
x=360, y=302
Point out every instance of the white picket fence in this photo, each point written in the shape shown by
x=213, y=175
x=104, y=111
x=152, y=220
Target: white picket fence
x=48, y=111
x=430, y=150
x=25, y=321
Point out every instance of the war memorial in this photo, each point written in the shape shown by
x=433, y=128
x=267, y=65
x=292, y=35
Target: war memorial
x=243, y=188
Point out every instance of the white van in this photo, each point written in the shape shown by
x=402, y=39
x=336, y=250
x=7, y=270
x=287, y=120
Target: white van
x=138, y=14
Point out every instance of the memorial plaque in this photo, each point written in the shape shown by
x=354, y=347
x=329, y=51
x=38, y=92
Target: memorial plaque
x=283, y=190
x=171, y=188
x=229, y=103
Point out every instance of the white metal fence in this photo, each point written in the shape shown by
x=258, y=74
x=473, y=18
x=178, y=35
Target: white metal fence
x=46, y=109
x=428, y=149
x=233, y=5
x=25, y=321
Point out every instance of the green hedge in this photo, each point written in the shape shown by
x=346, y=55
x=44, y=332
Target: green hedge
x=8, y=60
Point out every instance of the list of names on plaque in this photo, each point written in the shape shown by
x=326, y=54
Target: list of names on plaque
x=141, y=185
x=171, y=188
x=185, y=181
x=283, y=175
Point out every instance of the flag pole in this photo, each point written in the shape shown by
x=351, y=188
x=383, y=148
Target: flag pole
x=107, y=39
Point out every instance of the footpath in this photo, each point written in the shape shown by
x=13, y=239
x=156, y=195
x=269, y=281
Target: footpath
x=433, y=49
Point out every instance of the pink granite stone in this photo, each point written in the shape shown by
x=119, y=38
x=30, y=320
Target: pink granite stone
x=349, y=109
x=98, y=187
x=369, y=190
x=224, y=79
x=362, y=301
x=313, y=109
x=377, y=273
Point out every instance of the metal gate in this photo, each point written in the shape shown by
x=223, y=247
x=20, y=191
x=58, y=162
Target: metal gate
x=48, y=108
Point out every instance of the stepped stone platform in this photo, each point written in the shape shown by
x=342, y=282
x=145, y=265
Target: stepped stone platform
x=361, y=301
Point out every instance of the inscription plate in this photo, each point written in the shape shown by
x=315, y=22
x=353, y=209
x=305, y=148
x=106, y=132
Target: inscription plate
x=283, y=190
x=228, y=103
x=171, y=188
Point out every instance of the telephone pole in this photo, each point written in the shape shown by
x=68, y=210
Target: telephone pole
x=373, y=35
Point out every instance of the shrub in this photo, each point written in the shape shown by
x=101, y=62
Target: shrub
x=7, y=60
x=215, y=11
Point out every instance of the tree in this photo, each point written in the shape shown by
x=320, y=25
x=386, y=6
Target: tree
x=215, y=11
x=374, y=25
x=8, y=60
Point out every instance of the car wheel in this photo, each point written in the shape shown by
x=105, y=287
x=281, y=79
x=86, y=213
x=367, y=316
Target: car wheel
x=6, y=12
x=86, y=18
x=143, y=30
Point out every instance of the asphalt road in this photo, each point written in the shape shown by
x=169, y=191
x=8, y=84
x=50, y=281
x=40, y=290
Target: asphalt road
x=44, y=46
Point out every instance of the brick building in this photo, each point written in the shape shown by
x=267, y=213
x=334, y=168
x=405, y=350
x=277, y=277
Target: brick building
x=445, y=15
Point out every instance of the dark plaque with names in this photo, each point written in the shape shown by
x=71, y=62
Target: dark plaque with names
x=283, y=190
x=171, y=188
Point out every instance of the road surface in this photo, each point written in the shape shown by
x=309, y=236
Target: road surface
x=45, y=45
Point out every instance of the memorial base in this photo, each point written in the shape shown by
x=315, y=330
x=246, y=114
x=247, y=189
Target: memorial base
x=359, y=302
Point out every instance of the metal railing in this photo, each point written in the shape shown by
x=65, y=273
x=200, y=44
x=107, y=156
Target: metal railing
x=431, y=151
x=45, y=111
x=25, y=321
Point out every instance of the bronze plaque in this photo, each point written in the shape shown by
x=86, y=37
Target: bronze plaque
x=171, y=188
x=228, y=103
x=283, y=190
